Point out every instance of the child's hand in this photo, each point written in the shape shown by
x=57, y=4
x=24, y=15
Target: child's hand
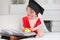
x=40, y=34
x=32, y=29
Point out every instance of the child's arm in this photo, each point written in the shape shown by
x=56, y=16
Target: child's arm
x=36, y=28
x=43, y=26
x=40, y=33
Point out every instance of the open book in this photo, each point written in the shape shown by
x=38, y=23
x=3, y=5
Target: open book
x=16, y=33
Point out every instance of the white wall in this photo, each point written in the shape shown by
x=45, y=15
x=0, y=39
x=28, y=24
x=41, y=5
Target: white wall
x=56, y=26
x=4, y=6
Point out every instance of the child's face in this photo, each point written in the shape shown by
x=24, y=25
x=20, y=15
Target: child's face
x=30, y=13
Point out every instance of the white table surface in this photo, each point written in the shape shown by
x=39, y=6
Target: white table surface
x=47, y=36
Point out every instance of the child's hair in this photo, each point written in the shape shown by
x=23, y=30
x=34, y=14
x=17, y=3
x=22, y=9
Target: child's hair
x=32, y=9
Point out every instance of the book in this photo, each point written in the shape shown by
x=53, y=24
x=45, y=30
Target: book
x=16, y=33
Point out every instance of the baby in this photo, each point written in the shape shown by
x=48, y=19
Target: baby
x=32, y=22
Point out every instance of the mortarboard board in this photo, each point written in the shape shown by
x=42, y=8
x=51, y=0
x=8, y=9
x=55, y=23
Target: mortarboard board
x=35, y=6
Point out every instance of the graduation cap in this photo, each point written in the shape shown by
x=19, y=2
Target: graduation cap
x=35, y=6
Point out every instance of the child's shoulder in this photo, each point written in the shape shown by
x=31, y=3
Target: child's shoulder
x=25, y=17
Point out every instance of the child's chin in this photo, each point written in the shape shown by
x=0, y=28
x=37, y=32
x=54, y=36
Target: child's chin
x=31, y=18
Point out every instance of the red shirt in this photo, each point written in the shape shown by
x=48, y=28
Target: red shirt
x=26, y=23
